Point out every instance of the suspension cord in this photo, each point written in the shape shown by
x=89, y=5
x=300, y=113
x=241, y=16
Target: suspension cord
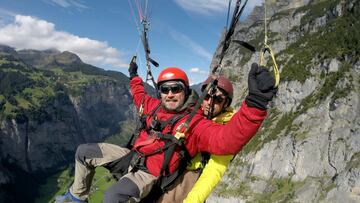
x=145, y=24
x=228, y=14
x=182, y=129
x=268, y=49
x=144, y=39
x=229, y=33
x=143, y=32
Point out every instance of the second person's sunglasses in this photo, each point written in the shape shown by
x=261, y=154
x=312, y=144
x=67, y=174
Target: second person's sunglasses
x=217, y=98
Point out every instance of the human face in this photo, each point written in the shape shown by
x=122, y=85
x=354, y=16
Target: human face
x=219, y=103
x=172, y=95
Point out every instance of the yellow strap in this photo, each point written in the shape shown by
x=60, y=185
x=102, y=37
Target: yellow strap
x=141, y=110
x=267, y=48
x=179, y=135
x=275, y=66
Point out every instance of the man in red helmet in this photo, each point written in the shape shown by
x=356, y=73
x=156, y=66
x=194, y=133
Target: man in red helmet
x=167, y=136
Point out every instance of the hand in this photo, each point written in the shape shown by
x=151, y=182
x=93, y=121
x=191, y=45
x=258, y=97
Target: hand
x=133, y=69
x=261, y=87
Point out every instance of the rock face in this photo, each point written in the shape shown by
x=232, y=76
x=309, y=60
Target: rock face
x=70, y=121
x=44, y=120
x=308, y=148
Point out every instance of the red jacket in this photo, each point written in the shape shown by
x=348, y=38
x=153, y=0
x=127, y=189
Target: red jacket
x=203, y=134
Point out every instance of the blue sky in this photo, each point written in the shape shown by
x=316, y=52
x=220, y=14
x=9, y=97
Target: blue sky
x=183, y=33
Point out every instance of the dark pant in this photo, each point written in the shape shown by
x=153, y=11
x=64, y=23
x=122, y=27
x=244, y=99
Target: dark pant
x=121, y=191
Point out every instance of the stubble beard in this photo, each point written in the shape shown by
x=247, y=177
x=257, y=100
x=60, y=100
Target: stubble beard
x=172, y=107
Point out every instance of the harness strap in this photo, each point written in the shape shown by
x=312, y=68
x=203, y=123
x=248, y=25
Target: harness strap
x=172, y=120
x=204, y=158
x=169, y=141
x=140, y=127
x=167, y=179
x=167, y=156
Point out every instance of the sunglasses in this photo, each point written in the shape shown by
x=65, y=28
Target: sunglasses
x=165, y=89
x=216, y=98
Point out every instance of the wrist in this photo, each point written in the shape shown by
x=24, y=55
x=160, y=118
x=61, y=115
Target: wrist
x=132, y=75
x=256, y=101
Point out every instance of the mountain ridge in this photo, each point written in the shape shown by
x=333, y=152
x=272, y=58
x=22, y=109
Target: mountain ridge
x=48, y=108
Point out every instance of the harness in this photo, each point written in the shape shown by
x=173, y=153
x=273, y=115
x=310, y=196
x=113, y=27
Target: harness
x=161, y=130
x=158, y=130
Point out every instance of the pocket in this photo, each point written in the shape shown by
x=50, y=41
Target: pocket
x=148, y=146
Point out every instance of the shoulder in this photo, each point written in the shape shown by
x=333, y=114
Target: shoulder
x=225, y=117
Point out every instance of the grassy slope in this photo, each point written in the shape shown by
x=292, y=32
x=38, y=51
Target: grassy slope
x=60, y=182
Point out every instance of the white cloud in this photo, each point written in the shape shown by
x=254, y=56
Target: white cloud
x=203, y=6
x=192, y=45
x=69, y=3
x=28, y=32
x=198, y=70
x=208, y=7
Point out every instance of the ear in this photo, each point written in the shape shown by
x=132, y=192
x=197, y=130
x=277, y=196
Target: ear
x=227, y=102
x=187, y=91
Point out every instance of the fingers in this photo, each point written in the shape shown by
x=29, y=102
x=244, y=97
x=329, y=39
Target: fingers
x=133, y=68
x=257, y=70
x=265, y=81
x=261, y=87
x=254, y=69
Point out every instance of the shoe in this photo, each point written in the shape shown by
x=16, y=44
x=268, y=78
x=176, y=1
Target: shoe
x=67, y=197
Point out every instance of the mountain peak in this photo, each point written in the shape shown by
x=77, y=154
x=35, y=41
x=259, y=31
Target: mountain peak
x=67, y=57
x=7, y=49
x=52, y=51
x=49, y=58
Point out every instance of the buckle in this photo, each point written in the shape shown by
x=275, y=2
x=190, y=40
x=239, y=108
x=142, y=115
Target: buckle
x=181, y=130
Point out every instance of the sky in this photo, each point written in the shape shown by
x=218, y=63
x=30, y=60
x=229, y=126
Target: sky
x=183, y=33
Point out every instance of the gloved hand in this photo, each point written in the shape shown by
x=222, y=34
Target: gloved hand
x=133, y=69
x=261, y=87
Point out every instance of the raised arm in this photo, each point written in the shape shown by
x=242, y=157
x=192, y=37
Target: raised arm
x=230, y=138
x=138, y=90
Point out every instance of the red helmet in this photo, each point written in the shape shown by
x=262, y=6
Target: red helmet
x=223, y=83
x=173, y=73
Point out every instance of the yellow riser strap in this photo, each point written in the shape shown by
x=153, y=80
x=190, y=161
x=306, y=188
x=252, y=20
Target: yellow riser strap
x=267, y=48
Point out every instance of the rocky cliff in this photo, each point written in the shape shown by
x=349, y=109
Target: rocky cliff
x=50, y=103
x=308, y=149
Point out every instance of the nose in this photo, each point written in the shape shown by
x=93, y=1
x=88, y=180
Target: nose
x=208, y=100
x=170, y=93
